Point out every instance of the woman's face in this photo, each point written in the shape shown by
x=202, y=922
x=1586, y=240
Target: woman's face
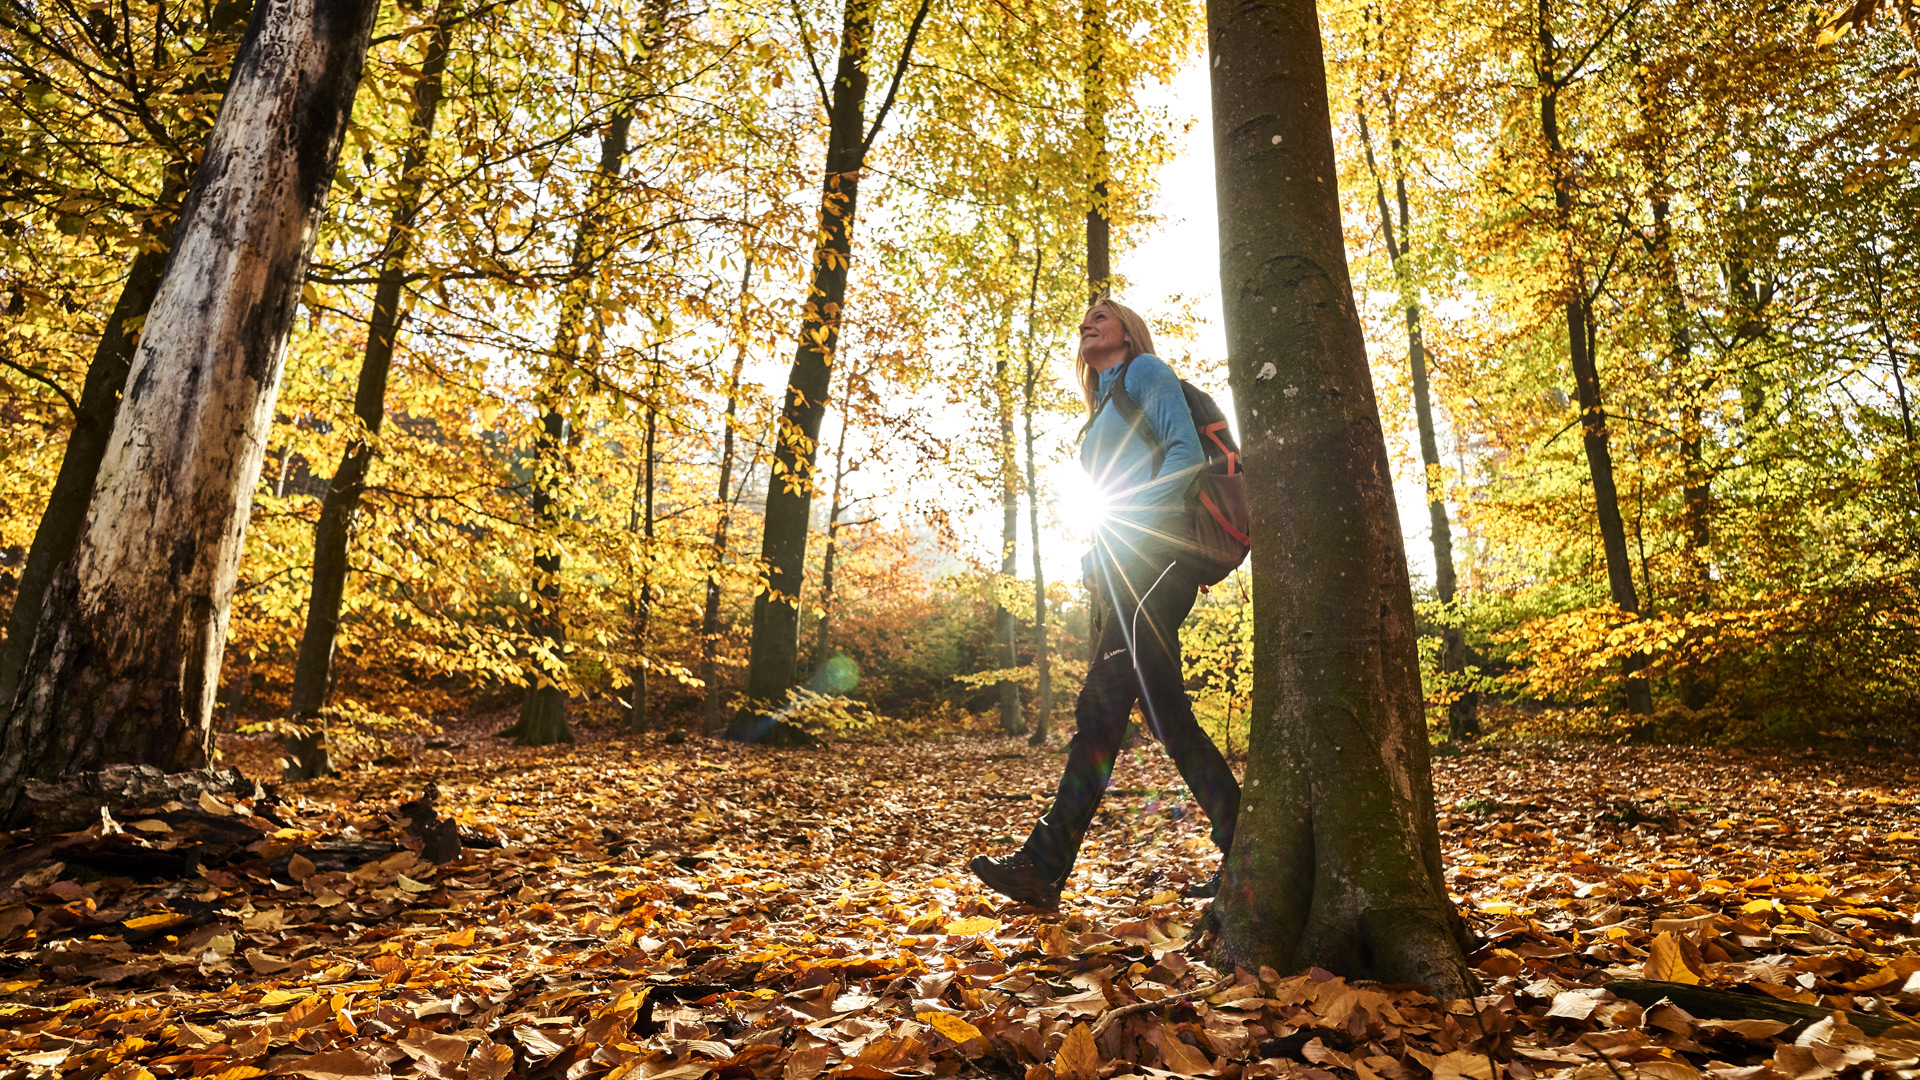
x=1101, y=334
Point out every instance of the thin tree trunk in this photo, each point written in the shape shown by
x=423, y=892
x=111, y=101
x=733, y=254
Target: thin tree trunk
x=1099, y=233
x=710, y=616
x=823, y=639
x=1586, y=374
x=543, y=715
x=1095, y=31
x=638, y=719
x=1042, y=649
x=774, y=649
x=1011, y=722
x=1336, y=858
x=1463, y=719
x=313, y=670
x=125, y=662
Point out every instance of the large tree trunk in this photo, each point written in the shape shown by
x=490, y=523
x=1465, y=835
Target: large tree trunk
x=1586, y=372
x=66, y=509
x=1011, y=722
x=1463, y=719
x=775, y=646
x=313, y=670
x=1336, y=859
x=124, y=665
x=1042, y=649
x=710, y=616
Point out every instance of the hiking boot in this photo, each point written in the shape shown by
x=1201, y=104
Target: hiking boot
x=1204, y=890
x=1016, y=877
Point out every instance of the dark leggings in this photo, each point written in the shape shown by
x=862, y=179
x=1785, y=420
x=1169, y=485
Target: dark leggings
x=1138, y=660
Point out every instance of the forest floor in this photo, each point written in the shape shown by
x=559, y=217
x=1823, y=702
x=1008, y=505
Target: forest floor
x=680, y=912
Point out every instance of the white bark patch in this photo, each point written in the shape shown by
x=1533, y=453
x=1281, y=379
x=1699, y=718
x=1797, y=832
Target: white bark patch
x=1267, y=371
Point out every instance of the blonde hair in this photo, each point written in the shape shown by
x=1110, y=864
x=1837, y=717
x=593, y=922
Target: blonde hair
x=1138, y=339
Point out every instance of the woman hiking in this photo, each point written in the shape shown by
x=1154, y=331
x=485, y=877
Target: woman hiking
x=1135, y=569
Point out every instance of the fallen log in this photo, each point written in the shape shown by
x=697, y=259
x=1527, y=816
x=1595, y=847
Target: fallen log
x=1711, y=1004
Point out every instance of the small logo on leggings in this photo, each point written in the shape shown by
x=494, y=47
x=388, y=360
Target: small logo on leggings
x=1111, y=655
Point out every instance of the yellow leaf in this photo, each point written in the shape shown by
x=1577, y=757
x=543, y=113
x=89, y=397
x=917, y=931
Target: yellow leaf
x=213, y=805
x=407, y=884
x=1667, y=961
x=157, y=922
x=980, y=924
x=949, y=1025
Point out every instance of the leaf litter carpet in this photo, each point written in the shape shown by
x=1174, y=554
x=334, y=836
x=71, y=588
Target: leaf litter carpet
x=706, y=910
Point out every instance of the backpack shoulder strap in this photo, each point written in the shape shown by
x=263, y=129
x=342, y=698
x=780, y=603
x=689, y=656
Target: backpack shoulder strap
x=1135, y=417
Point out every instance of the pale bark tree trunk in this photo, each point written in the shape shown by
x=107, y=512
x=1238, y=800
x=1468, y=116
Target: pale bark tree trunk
x=1336, y=859
x=66, y=509
x=1463, y=719
x=313, y=670
x=1042, y=648
x=775, y=645
x=125, y=663
x=543, y=714
x=1011, y=722
x=710, y=616
x=1581, y=340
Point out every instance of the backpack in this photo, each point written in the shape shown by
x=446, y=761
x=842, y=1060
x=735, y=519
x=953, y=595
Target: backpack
x=1217, y=500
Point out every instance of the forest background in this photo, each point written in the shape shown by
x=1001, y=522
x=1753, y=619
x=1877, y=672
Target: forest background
x=573, y=241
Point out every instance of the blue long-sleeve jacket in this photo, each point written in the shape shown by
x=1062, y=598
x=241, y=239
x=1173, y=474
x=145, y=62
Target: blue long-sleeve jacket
x=1144, y=511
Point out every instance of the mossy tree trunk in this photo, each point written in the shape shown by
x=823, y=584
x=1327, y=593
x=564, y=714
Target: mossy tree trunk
x=1336, y=858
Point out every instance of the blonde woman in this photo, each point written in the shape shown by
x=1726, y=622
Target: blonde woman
x=1142, y=456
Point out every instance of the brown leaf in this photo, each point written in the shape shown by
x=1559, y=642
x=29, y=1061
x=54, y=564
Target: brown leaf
x=300, y=868
x=489, y=1061
x=339, y=1065
x=806, y=1064
x=1078, y=1058
x=422, y=1043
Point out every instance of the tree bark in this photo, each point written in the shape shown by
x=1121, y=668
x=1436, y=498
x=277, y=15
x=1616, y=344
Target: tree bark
x=66, y=509
x=1463, y=713
x=710, y=616
x=313, y=670
x=1586, y=374
x=543, y=715
x=1093, y=14
x=776, y=611
x=1042, y=648
x=1011, y=722
x=1336, y=858
x=124, y=665
x=823, y=639
x=638, y=718
x=775, y=645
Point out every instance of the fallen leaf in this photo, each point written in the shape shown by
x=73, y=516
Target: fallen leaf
x=1078, y=1058
x=339, y=1065
x=953, y=1027
x=489, y=1061
x=300, y=868
x=159, y=921
x=1667, y=960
